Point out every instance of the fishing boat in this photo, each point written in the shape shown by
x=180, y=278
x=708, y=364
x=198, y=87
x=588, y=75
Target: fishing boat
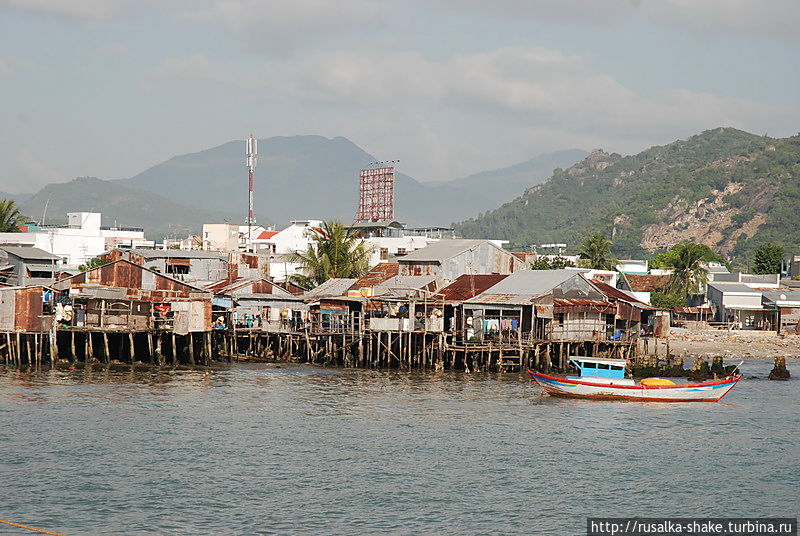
x=605, y=379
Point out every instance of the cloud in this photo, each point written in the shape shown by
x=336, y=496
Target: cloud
x=280, y=25
x=79, y=9
x=473, y=111
x=5, y=68
x=522, y=83
x=773, y=19
x=112, y=50
x=192, y=68
x=33, y=171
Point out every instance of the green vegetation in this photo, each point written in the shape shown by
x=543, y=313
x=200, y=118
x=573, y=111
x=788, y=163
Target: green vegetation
x=10, y=217
x=334, y=253
x=556, y=263
x=126, y=206
x=92, y=264
x=768, y=259
x=667, y=300
x=596, y=252
x=668, y=259
x=622, y=196
x=688, y=273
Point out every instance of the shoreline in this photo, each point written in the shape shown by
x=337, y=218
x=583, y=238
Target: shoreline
x=764, y=345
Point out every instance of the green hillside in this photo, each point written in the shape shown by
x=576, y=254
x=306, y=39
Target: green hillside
x=120, y=206
x=725, y=188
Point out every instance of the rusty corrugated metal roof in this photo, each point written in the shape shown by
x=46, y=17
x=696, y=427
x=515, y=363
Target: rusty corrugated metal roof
x=377, y=275
x=647, y=283
x=616, y=294
x=468, y=286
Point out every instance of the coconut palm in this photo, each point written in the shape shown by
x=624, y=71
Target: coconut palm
x=10, y=217
x=596, y=252
x=334, y=252
x=688, y=272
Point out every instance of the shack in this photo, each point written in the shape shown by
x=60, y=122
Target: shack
x=27, y=309
x=125, y=295
x=450, y=258
x=259, y=303
x=740, y=306
x=541, y=305
x=24, y=266
x=641, y=286
x=631, y=314
x=331, y=310
x=183, y=265
x=787, y=305
x=456, y=293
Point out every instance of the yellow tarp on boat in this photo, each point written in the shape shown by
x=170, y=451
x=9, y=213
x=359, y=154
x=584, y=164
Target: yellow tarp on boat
x=657, y=381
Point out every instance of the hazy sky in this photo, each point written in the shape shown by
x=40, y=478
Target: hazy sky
x=110, y=87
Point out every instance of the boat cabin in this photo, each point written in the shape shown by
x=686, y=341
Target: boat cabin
x=600, y=368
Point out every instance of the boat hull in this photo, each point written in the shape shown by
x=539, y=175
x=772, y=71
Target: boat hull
x=694, y=392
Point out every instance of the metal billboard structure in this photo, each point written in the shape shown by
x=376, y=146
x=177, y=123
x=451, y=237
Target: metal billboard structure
x=376, y=194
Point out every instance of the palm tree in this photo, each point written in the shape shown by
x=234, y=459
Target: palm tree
x=10, y=217
x=688, y=272
x=596, y=250
x=334, y=252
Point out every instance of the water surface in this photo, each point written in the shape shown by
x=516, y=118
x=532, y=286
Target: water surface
x=258, y=449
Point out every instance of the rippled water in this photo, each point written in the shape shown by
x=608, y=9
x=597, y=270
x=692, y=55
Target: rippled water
x=300, y=450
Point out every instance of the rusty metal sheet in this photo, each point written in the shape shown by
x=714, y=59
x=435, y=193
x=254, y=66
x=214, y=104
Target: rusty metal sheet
x=28, y=308
x=544, y=310
x=468, y=286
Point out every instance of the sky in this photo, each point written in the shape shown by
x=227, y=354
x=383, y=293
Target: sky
x=108, y=88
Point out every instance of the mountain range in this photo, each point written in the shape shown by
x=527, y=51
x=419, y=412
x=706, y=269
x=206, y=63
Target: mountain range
x=725, y=188
x=297, y=177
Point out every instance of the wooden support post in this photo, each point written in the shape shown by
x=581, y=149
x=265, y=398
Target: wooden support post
x=72, y=347
x=174, y=350
x=132, y=348
x=89, y=348
x=106, y=352
x=191, y=348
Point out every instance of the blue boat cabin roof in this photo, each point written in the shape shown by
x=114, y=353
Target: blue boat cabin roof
x=600, y=368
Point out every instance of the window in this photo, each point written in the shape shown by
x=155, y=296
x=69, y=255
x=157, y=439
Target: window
x=401, y=251
x=616, y=368
x=603, y=366
x=590, y=365
x=559, y=318
x=384, y=254
x=177, y=269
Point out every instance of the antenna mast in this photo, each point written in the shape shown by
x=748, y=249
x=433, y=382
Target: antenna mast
x=252, y=153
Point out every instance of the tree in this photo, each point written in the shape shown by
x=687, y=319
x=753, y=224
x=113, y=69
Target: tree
x=596, y=250
x=768, y=259
x=555, y=263
x=92, y=264
x=688, y=273
x=666, y=300
x=333, y=252
x=665, y=260
x=10, y=217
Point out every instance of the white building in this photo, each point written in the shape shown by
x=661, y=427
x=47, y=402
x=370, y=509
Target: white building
x=383, y=248
x=82, y=239
x=220, y=236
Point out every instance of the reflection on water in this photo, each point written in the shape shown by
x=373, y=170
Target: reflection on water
x=263, y=449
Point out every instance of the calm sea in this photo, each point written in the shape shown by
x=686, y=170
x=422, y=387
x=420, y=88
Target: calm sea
x=301, y=450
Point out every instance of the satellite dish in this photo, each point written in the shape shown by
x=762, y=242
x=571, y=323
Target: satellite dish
x=783, y=296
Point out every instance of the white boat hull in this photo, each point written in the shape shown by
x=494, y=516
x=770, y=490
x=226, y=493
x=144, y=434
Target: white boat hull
x=710, y=391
